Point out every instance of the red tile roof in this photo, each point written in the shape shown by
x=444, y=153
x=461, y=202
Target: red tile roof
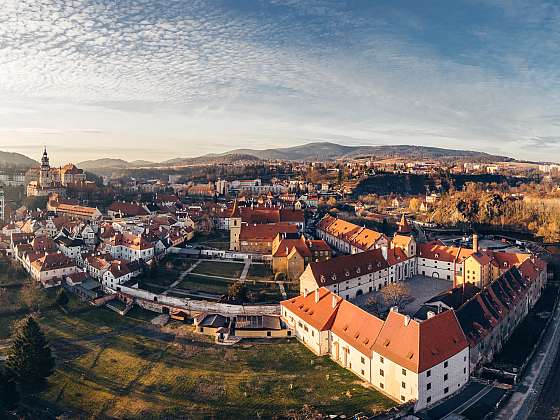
x=357, y=327
x=319, y=315
x=420, y=345
x=265, y=232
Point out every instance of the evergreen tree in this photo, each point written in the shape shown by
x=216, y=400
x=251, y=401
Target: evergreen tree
x=29, y=358
x=9, y=395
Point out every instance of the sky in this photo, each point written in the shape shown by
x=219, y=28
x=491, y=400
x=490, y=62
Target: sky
x=159, y=79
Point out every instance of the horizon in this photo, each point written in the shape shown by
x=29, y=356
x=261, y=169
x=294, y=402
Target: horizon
x=58, y=163
x=156, y=80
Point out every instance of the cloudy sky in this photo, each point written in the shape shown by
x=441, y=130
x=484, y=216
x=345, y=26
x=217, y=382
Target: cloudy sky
x=157, y=79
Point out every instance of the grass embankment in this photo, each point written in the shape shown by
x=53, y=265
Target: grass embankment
x=109, y=366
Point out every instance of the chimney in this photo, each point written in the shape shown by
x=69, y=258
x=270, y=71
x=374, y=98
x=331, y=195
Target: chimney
x=334, y=301
x=475, y=242
x=406, y=320
x=384, y=251
x=431, y=314
x=304, y=293
x=394, y=309
x=316, y=295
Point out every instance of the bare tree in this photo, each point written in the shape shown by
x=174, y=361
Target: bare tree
x=396, y=294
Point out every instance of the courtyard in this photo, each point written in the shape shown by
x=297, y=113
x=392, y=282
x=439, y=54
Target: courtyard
x=421, y=289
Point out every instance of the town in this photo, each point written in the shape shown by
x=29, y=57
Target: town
x=415, y=277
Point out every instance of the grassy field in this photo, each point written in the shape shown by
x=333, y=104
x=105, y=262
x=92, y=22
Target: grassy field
x=219, y=268
x=114, y=367
x=260, y=272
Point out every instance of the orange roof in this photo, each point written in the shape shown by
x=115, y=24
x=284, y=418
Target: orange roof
x=357, y=327
x=401, y=240
x=440, y=252
x=320, y=314
x=364, y=238
x=420, y=345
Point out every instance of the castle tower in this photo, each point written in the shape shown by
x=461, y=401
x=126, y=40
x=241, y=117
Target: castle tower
x=45, y=180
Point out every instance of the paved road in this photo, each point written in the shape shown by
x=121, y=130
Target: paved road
x=525, y=395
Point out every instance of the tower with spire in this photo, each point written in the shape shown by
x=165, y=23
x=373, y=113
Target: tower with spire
x=45, y=178
x=403, y=227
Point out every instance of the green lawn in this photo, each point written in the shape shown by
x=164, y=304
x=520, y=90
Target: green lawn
x=110, y=367
x=260, y=272
x=201, y=283
x=219, y=268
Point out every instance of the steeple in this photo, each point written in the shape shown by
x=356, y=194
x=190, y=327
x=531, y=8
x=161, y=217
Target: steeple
x=403, y=226
x=45, y=159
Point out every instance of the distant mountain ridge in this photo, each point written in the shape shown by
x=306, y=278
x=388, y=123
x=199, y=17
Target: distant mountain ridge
x=331, y=151
x=16, y=160
x=318, y=151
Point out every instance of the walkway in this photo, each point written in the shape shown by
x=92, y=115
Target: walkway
x=245, y=271
x=526, y=393
x=182, y=276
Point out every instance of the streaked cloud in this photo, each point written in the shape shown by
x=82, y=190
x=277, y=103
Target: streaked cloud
x=162, y=78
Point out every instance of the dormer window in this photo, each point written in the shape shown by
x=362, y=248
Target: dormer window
x=358, y=270
x=436, y=255
x=333, y=277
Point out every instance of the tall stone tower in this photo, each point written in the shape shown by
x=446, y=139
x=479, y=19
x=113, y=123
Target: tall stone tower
x=45, y=179
x=234, y=228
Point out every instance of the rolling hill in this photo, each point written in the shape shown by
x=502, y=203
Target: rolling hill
x=307, y=152
x=329, y=151
x=16, y=160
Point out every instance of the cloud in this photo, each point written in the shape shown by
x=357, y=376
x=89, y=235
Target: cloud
x=195, y=76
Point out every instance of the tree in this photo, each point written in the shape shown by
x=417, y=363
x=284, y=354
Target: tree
x=414, y=205
x=62, y=298
x=32, y=296
x=9, y=395
x=331, y=202
x=29, y=358
x=237, y=291
x=396, y=294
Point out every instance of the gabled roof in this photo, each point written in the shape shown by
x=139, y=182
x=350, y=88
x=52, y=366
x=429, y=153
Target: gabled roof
x=437, y=251
x=319, y=314
x=346, y=267
x=265, y=232
x=420, y=345
x=357, y=327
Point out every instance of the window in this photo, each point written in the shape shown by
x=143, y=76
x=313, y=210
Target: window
x=464, y=370
x=403, y=398
x=428, y=386
x=445, y=364
x=381, y=359
x=446, y=390
x=404, y=372
x=268, y=334
x=403, y=385
x=363, y=374
x=381, y=385
x=428, y=373
x=363, y=360
x=445, y=377
x=381, y=373
x=428, y=400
